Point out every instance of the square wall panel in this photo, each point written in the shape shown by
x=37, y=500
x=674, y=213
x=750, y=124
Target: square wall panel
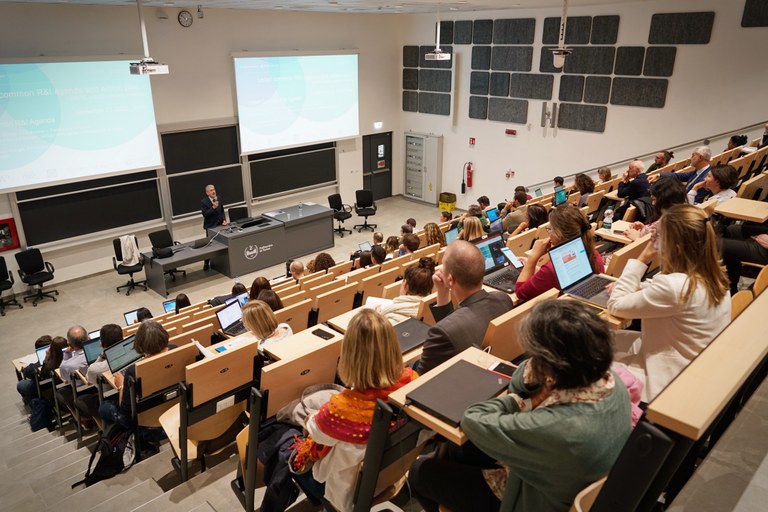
x=481, y=57
x=533, y=86
x=462, y=32
x=588, y=118
x=597, y=89
x=590, y=60
x=437, y=80
x=660, y=61
x=446, y=32
x=482, y=32
x=507, y=110
x=577, y=30
x=681, y=28
x=410, y=79
x=478, y=107
x=605, y=29
x=514, y=31
x=629, y=60
x=499, y=84
x=434, y=103
x=511, y=58
x=571, y=88
x=479, y=82
x=639, y=92
x=410, y=101
x=410, y=56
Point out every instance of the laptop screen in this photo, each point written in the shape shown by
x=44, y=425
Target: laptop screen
x=538, y=192
x=41, y=354
x=571, y=262
x=491, y=249
x=365, y=246
x=561, y=195
x=131, y=317
x=242, y=299
x=451, y=235
x=121, y=354
x=169, y=305
x=496, y=227
x=229, y=315
x=492, y=213
x=94, y=334
x=92, y=350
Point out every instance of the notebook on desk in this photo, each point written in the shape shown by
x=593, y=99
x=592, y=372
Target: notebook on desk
x=411, y=334
x=575, y=275
x=447, y=395
x=499, y=273
x=231, y=319
x=122, y=354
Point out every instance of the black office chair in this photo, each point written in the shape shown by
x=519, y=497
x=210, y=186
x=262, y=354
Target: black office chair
x=127, y=269
x=237, y=213
x=365, y=206
x=341, y=212
x=162, y=240
x=6, y=283
x=34, y=272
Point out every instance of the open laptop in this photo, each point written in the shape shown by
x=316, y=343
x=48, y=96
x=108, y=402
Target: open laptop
x=451, y=235
x=499, y=271
x=94, y=334
x=365, y=246
x=231, y=319
x=411, y=334
x=492, y=213
x=447, y=395
x=169, y=305
x=538, y=192
x=574, y=273
x=92, y=349
x=121, y=355
x=41, y=353
x=496, y=227
x=131, y=317
x=561, y=195
x=242, y=299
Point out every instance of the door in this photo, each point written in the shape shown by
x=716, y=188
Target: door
x=377, y=164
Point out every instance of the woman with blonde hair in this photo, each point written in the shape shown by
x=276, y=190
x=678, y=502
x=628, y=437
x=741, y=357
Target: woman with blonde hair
x=416, y=285
x=471, y=230
x=566, y=222
x=682, y=308
x=259, y=319
x=371, y=366
x=434, y=234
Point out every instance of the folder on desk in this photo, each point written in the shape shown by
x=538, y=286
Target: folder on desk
x=447, y=395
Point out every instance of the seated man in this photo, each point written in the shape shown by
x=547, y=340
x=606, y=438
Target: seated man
x=409, y=244
x=514, y=212
x=297, y=270
x=460, y=276
x=74, y=360
x=700, y=161
x=88, y=403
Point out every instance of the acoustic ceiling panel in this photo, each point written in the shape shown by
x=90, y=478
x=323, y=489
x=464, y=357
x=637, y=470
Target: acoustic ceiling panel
x=639, y=92
x=588, y=118
x=571, y=88
x=479, y=82
x=410, y=101
x=590, y=60
x=410, y=79
x=462, y=32
x=435, y=103
x=605, y=29
x=481, y=57
x=478, y=107
x=755, y=13
x=681, y=28
x=437, y=80
x=511, y=58
x=514, y=31
x=508, y=110
x=499, y=84
x=629, y=60
x=577, y=30
x=446, y=32
x=660, y=61
x=410, y=56
x=424, y=63
x=482, y=32
x=597, y=89
x=533, y=86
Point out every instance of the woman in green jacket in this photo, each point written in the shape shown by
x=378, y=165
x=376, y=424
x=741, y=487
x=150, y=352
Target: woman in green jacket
x=561, y=427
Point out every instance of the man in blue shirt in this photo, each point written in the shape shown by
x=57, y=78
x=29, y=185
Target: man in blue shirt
x=700, y=162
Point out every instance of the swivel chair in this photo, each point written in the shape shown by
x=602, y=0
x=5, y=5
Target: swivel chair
x=34, y=272
x=365, y=206
x=127, y=269
x=162, y=240
x=237, y=213
x=341, y=212
x=6, y=283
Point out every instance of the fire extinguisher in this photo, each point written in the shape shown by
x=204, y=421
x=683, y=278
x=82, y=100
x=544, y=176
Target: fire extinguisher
x=468, y=171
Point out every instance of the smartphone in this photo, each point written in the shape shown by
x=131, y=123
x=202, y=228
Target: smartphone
x=503, y=369
x=221, y=349
x=514, y=260
x=618, y=231
x=323, y=334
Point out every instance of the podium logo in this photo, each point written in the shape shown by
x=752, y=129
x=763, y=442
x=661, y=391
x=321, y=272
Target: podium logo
x=252, y=251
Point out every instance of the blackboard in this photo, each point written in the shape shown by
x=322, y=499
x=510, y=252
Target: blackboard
x=187, y=190
x=56, y=213
x=282, y=171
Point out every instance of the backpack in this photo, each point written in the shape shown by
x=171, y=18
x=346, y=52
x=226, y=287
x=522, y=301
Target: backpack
x=41, y=416
x=117, y=452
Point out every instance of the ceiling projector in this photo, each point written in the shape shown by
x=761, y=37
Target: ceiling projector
x=148, y=67
x=437, y=54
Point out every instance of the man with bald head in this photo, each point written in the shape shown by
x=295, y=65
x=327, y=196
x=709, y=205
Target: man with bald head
x=634, y=183
x=460, y=277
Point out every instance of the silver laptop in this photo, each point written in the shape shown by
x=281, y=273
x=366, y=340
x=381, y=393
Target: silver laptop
x=231, y=319
x=122, y=354
x=499, y=273
x=574, y=273
x=41, y=353
x=131, y=317
x=92, y=349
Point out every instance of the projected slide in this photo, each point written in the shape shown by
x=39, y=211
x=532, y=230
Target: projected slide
x=294, y=100
x=65, y=121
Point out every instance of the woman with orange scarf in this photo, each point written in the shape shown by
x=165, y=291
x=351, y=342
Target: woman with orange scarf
x=371, y=366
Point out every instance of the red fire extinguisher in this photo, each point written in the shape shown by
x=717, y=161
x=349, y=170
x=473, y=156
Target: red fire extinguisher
x=468, y=171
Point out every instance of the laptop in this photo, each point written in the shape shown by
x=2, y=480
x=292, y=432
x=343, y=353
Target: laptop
x=451, y=235
x=492, y=213
x=538, y=192
x=411, y=334
x=94, y=334
x=499, y=271
x=92, y=349
x=365, y=246
x=131, y=317
x=447, y=395
x=41, y=353
x=575, y=275
x=561, y=195
x=122, y=354
x=231, y=319
x=496, y=227
x=169, y=305
x=242, y=299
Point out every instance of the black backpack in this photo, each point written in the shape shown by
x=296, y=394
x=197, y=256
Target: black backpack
x=41, y=416
x=116, y=451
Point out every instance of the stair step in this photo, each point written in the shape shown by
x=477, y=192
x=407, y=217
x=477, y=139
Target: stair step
x=76, y=467
x=41, y=468
x=30, y=459
x=48, y=444
x=203, y=507
x=27, y=443
x=129, y=499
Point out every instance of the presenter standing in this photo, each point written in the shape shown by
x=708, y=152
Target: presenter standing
x=213, y=213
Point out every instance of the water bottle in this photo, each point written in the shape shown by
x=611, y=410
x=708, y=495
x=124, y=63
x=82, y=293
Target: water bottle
x=301, y=206
x=608, y=218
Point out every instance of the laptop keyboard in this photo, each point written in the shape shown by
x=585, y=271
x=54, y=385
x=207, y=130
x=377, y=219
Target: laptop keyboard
x=590, y=287
x=504, y=280
x=236, y=329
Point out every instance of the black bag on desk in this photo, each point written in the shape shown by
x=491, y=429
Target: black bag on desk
x=162, y=252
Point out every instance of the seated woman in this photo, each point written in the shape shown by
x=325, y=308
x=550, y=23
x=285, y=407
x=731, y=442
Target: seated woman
x=259, y=319
x=535, y=216
x=476, y=212
x=271, y=299
x=682, y=308
x=392, y=246
x=736, y=141
x=151, y=340
x=585, y=186
x=665, y=192
x=182, y=301
x=365, y=260
x=259, y=284
x=433, y=234
x=323, y=261
x=53, y=357
x=719, y=181
x=566, y=222
x=561, y=427
x=472, y=229
x=371, y=366
x=605, y=174
x=417, y=284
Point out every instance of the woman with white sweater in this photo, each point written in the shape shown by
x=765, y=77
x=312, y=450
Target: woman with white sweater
x=682, y=308
x=416, y=285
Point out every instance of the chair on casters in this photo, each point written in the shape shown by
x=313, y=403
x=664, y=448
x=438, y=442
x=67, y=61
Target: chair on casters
x=341, y=212
x=6, y=283
x=237, y=213
x=365, y=206
x=127, y=269
x=162, y=240
x=34, y=272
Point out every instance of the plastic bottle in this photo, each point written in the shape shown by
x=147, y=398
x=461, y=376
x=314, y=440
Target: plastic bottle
x=608, y=218
x=301, y=207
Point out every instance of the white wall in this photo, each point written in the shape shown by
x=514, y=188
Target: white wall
x=710, y=92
